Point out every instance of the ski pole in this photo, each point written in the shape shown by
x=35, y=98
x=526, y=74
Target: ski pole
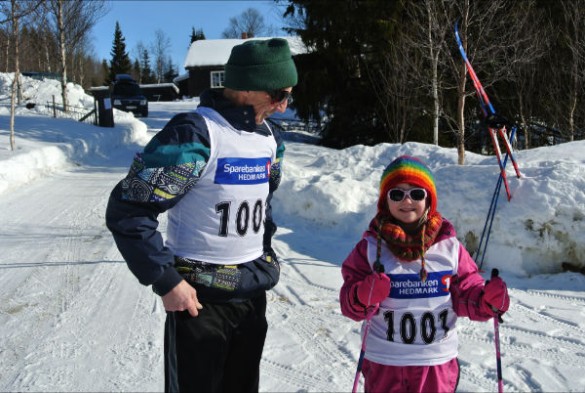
x=488, y=111
x=497, y=320
x=363, y=349
x=492, y=210
x=379, y=268
x=476, y=83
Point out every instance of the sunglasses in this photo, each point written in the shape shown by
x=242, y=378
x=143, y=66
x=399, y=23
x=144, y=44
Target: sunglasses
x=416, y=194
x=279, y=96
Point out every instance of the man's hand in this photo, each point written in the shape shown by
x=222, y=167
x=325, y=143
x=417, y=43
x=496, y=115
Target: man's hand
x=182, y=297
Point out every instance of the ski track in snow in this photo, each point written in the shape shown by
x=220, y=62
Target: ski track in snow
x=60, y=318
x=74, y=318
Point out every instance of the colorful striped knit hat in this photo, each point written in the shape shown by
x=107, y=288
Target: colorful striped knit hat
x=411, y=170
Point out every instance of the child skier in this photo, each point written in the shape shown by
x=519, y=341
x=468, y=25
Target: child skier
x=410, y=262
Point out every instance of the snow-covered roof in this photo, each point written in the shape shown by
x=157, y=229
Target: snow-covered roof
x=216, y=52
x=181, y=77
x=154, y=85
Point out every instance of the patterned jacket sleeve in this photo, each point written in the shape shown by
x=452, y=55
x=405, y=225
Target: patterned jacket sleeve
x=353, y=270
x=467, y=288
x=167, y=169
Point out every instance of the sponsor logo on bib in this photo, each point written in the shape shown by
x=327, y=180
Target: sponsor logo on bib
x=409, y=286
x=237, y=170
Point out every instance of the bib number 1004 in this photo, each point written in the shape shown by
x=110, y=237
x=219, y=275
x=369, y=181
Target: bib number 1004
x=246, y=215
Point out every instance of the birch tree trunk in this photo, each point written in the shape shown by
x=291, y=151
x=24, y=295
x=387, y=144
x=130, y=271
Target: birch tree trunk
x=461, y=116
x=15, y=79
x=462, y=80
x=434, y=57
x=63, y=59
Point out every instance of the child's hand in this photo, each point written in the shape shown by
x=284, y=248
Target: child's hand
x=373, y=289
x=495, y=297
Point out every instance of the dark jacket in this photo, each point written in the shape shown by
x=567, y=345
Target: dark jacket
x=152, y=187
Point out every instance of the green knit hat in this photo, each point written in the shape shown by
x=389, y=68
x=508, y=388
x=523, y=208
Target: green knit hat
x=261, y=65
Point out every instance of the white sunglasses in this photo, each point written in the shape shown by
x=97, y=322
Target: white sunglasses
x=398, y=195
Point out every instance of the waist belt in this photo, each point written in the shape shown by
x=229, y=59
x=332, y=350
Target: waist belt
x=224, y=277
x=219, y=283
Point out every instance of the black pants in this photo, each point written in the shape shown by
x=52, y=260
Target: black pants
x=217, y=351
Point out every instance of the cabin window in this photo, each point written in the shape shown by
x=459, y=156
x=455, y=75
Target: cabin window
x=217, y=78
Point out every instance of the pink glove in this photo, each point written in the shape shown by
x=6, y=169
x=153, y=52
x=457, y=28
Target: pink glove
x=495, y=297
x=376, y=284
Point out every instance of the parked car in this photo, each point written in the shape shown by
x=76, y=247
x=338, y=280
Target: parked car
x=127, y=96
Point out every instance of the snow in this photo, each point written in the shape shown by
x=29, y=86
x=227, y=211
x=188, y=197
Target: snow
x=73, y=317
x=203, y=53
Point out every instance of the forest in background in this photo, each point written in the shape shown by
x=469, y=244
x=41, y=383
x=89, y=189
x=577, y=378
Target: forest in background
x=390, y=71
x=377, y=70
x=35, y=26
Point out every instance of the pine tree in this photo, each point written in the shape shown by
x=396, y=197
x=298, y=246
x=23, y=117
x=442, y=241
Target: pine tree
x=137, y=71
x=120, y=63
x=197, y=35
x=147, y=75
x=348, y=40
x=105, y=72
x=170, y=72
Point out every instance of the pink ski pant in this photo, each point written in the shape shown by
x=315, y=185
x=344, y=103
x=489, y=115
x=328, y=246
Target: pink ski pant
x=431, y=379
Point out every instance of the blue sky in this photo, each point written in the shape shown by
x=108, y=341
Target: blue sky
x=140, y=19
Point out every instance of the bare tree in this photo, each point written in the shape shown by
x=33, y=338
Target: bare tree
x=571, y=32
x=159, y=48
x=528, y=44
x=138, y=52
x=79, y=60
x=432, y=28
x=15, y=11
x=73, y=19
x=391, y=81
x=46, y=44
x=15, y=80
x=249, y=23
x=5, y=47
x=486, y=25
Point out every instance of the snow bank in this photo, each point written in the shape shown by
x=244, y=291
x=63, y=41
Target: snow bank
x=42, y=93
x=336, y=190
x=45, y=144
x=541, y=227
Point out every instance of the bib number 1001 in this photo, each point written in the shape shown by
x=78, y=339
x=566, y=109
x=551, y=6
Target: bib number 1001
x=245, y=216
x=427, y=326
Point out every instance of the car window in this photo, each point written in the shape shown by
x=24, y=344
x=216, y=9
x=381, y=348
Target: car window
x=126, y=89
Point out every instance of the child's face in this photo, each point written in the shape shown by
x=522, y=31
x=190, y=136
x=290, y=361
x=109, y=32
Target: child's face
x=408, y=210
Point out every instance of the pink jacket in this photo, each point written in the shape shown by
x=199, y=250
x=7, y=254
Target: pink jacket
x=466, y=287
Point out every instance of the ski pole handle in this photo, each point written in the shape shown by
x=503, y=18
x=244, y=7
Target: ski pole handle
x=496, y=273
